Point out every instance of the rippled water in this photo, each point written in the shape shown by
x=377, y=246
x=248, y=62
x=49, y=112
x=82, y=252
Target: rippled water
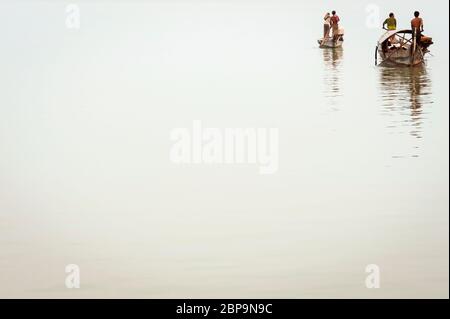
x=85, y=179
x=406, y=92
x=333, y=64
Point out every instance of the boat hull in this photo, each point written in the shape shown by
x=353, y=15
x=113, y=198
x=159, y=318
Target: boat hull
x=402, y=58
x=329, y=43
x=401, y=48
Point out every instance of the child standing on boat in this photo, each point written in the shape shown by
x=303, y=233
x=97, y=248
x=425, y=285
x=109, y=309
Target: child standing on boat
x=417, y=26
x=391, y=23
x=326, y=26
x=335, y=25
x=417, y=22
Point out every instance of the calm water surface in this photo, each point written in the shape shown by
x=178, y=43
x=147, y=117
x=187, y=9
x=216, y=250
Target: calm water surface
x=85, y=119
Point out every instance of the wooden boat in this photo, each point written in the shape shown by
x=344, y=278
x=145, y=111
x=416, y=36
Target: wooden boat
x=402, y=48
x=330, y=43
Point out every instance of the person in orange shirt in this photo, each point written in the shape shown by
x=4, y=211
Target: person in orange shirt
x=417, y=22
x=417, y=26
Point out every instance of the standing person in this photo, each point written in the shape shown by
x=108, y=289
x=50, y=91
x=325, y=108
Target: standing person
x=326, y=25
x=335, y=25
x=390, y=22
x=417, y=26
x=417, y=22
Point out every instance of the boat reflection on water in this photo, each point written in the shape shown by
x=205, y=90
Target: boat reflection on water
x=406, y=92
x=333, y=59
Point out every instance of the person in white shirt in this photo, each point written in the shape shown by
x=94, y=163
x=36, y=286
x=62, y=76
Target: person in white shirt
x=326, y=26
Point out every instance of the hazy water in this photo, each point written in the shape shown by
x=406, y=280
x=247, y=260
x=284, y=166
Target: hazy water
x=85, y=177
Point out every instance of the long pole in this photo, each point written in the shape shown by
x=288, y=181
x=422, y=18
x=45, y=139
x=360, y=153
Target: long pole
x=376, y=55
x=414, y=46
